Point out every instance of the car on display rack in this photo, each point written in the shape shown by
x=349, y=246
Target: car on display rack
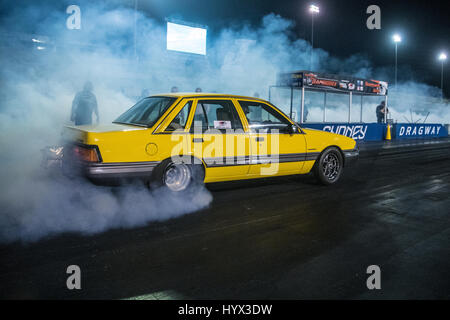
x=181, y=139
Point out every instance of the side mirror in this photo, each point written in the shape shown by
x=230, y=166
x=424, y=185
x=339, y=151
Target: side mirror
x=292, y=128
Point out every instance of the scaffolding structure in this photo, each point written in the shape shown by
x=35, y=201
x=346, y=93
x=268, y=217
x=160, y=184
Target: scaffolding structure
x=328, y=83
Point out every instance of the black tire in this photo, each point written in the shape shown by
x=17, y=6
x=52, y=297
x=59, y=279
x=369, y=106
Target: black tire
x=329, y=166
x=191, y=175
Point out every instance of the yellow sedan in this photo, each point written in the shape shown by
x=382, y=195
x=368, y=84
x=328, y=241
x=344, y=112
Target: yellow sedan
x=181, y=139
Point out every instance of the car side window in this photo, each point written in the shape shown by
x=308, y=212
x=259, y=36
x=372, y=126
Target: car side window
x=262, y=117
x=180, y=121
x=216, y=114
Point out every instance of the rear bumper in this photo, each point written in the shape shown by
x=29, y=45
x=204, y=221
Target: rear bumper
x=351, y=156
x=97, y=172
x=112, y=173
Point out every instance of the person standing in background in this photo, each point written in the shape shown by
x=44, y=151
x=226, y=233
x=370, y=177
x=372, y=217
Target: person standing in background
x=144, y=94
x=306, y=110
x=305, y=113
x=380, y=111
x=83, y=105
x=198, y=89
x=174, y=89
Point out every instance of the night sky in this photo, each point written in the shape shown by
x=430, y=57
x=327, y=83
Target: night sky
x=340, y=28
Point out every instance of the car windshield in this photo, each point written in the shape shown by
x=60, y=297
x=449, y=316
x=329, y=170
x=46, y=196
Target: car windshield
x=146, y=112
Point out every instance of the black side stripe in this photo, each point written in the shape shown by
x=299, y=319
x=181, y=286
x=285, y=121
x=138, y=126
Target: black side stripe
x=312, y=156
x=260, y=159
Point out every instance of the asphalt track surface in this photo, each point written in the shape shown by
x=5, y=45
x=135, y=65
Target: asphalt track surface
x=282, y=238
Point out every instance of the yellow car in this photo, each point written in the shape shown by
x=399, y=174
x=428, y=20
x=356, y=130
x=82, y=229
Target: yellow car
x=181, y=139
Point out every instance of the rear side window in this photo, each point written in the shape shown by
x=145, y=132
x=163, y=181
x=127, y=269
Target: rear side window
x=179, y=122
x=216, y=114
x=146, y=112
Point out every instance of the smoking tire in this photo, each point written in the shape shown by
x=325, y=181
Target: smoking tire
x=177, y=177
x=329, y=167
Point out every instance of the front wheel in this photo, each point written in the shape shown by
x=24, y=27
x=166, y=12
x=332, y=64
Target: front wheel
x=329, y=167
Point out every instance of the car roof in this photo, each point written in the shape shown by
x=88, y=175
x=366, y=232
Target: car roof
x=204, y=95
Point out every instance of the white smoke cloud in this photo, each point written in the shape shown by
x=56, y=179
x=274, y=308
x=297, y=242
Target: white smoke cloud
x=57, y=204
x=38, y=87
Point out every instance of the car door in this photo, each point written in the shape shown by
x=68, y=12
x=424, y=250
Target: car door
x=217, y=136
x=173, y=133
x=277, y=148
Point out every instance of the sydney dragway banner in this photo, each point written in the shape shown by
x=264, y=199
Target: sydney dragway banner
x=357, y=131
x=377, y=132
x=417, y=131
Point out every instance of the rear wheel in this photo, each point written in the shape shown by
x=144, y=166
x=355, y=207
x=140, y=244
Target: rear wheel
x=329, y=167
x=177, y=177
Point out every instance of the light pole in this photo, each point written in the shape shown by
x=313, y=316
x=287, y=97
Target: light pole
x=442, y=58
x=314, y=10
x=135, y=27
x=396, y=39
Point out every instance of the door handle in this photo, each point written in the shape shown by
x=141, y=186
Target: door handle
x=197, y=140
x=259, y=138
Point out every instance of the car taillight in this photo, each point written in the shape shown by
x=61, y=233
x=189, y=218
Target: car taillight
x=86, y=154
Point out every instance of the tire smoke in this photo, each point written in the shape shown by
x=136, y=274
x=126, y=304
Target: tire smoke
x=40, y=78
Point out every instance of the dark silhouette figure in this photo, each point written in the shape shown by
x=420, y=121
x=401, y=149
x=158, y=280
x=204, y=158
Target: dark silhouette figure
x=83, y=105
x=144, y=94
x=305, y=113
x=198, y=90
x=174, y=89
x=381, y=109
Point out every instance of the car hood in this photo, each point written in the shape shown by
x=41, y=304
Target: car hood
x=319, y=139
